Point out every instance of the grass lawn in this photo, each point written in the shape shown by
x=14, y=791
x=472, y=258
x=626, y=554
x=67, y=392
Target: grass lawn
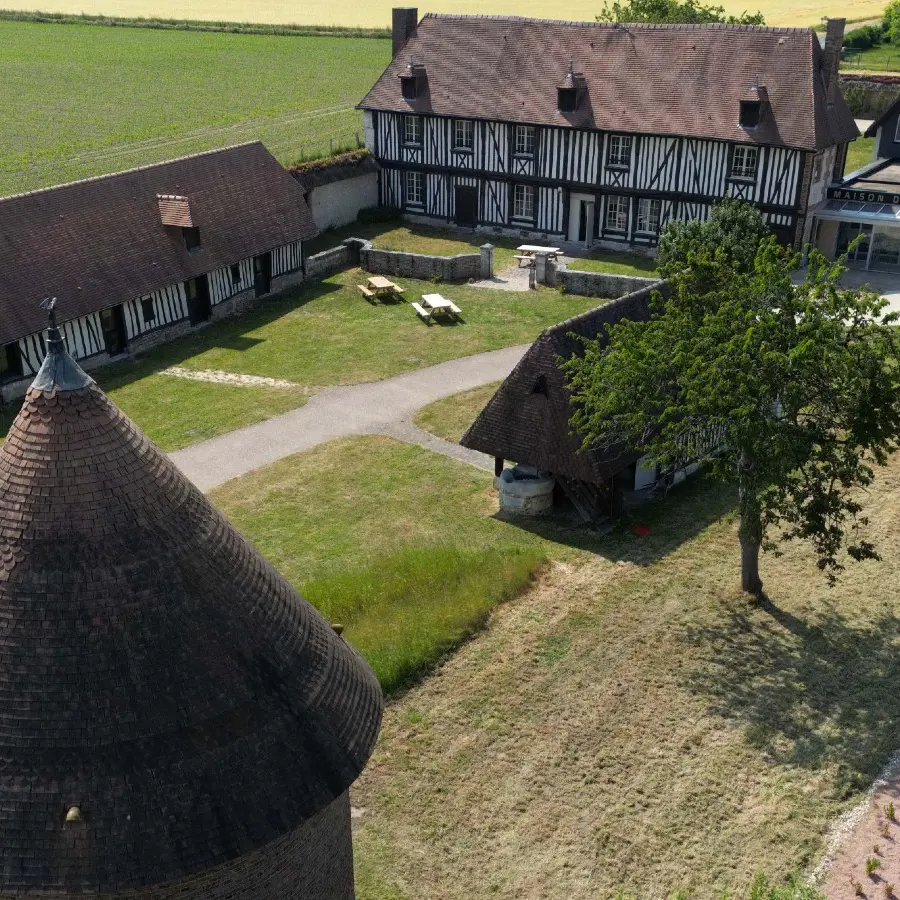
x=884, y=58
x=615, y=263
x=632, y=722
x=394, y=542
x=859, y=154
x=378, y=12
x=450, y=417
x=322, y=333
x=83, y=100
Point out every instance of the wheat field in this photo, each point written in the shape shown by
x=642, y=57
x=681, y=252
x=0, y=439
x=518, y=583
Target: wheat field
x=375, y=13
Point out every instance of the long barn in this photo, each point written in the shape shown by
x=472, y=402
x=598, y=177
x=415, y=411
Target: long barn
x=601, y=133
x=140, y=257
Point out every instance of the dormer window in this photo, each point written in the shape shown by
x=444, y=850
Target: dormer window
x=750, y=111
x=409, y=87
x=566, y=99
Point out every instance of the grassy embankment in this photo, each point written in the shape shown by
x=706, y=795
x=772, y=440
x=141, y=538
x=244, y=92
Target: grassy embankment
x=82, y=100
x=320, y=334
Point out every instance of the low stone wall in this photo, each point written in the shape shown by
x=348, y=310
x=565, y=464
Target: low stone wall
x=326, y=263
x=417, y=265
x=869, y=96
x=594, y=284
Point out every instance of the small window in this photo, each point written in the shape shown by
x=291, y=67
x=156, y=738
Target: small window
x=566, y=99
x=235, y=270
x=619, y=150
x=463, y=134
x=648, y=216
x=523, y=202
x=743, y=163
x=617, y=214
x=10, y=362
x=409, y=88
x=540, y=386
x=524, y=140
x=412, y=130
x=148, y=311
x=749, y=113
x=191, y=239
x=415, y=189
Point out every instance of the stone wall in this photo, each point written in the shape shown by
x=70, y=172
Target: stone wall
x=314, y=861
x=868, y=96
x=418, y=265
x=594, y=284
x=326, y=263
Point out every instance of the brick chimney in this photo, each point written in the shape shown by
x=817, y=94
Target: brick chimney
x=831, y=52
x=405, y=19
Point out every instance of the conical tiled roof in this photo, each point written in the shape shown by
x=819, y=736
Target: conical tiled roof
x=155, y=671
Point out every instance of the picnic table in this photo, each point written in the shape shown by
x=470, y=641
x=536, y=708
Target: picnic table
x=435, y=304
x=377, y=287
x=527, y=252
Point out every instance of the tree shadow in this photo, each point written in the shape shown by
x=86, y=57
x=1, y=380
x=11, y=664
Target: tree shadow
x=820, y=693
x=681, y=515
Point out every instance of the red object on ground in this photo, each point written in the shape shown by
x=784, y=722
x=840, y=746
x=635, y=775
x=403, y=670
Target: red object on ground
x=641, y=530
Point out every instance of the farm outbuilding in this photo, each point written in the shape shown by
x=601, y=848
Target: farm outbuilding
x=527, y=419
x=178, y=722
x=142, y=256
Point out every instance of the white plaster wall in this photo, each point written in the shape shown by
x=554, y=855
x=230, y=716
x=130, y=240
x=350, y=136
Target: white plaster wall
x=826, y=165
x=339, y=203
x=369, y=130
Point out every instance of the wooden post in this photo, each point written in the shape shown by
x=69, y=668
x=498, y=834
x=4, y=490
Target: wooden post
x=498, y=466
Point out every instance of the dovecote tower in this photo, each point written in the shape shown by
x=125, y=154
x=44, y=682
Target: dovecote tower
x=176, y=721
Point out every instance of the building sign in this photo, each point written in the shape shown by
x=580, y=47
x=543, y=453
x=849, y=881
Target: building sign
x=863, y=196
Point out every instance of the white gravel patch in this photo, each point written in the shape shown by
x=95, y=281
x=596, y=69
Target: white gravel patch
x=216, y=377
x=844, y=824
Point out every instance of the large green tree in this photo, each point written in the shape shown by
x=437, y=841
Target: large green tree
x=792, y=392
x=672, y=12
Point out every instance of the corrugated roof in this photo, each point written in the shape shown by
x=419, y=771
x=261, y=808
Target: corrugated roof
x=99, y=242
x=155, y=670
x=527, y=419
x=653, y=79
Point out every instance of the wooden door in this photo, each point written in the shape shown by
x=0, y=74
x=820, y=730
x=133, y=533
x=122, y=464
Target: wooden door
x=115, y=337
x=467, y=207
x=262, y=274
x=199, y=306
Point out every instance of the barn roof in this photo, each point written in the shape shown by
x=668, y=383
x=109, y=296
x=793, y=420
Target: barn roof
x=655, y=79
x=527, y=419
x=155, y=670
x=99, y=242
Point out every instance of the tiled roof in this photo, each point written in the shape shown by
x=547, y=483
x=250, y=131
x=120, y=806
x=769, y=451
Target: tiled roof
x=99, y=242
x=527, y=419
x=654, y=79
x=156, y=672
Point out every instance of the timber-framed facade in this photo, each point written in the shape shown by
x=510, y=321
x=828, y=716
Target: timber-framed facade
x=560, y=129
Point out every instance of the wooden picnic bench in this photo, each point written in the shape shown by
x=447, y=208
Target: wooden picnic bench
x=436, y=304
x=379, y=288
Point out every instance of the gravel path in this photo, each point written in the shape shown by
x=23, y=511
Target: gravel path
x=381, y=407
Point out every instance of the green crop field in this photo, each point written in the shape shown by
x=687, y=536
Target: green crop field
x=377, y=13
x=82, y=100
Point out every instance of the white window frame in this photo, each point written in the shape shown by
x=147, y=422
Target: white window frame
x=415, y=189
x=412, y=130
x=897, y=132
x=618, y=206
x=463, y=134
x=619, y=152
x=744, y=162
x=649, y=214
x=525, y=140
x=523, y=202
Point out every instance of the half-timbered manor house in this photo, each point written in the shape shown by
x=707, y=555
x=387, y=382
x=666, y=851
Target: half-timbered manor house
x=599, y=132
x=142, y=256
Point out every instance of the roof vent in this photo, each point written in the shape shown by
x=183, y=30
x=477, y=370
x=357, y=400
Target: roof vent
x=412, y=81
x=175, y=210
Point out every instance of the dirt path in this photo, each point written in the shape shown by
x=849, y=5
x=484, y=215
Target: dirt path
x=381, y=407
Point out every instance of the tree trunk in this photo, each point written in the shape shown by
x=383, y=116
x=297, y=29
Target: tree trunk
x=750, y=530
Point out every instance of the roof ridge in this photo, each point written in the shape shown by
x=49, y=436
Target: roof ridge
x=566, y=324
x=166, y=162
x=626, y=26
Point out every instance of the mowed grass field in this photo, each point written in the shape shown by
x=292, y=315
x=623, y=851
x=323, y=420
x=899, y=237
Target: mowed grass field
x=81, y=100
x=377, y=13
